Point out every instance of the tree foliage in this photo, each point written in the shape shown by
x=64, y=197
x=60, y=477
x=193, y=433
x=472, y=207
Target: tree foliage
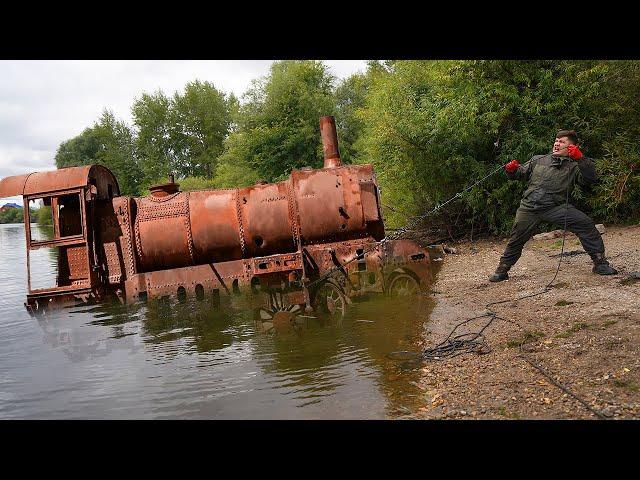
x=11, y=215
x=350, y=96
x=108, y=142
x=430, y=128
x=433, y=127
x=183, y=134
x=278, y=125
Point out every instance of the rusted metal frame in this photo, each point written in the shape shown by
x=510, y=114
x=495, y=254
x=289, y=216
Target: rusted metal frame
x=295, y=220
x=27, y=233
x=342, y=268
x=25, y=181
x=325, y=256
x=67, y=289
x=35, y=302
x=161, y=282
x=54, y=214
x=55, y=218
x=243, y=246
x=129, y=239
x=136, y=229
x=65, y=242
x=279, y=262
x=55, y=193
x=133, y=231
x=57, y=241
x=93, y=242
x=83, y=210
x=215, y=272
x=189, y=234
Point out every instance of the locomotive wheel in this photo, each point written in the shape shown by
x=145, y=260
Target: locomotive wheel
x=403, y=285
x=278, y=317
x=329, y=300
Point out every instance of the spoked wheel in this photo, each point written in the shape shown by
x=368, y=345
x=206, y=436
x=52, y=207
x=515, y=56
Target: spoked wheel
x=279, y=316
x=330, y=301
x=403, y=285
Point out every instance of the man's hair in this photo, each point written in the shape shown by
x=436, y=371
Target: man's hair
x=570, y=134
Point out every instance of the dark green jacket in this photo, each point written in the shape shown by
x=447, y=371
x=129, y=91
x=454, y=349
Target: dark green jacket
x=549, y=178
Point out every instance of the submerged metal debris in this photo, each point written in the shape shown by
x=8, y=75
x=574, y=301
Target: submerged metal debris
x=270, y=240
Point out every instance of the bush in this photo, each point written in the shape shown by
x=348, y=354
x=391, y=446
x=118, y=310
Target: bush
x=431, y=128
x=12, y=215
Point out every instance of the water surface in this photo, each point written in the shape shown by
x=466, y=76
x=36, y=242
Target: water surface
x=183, y=361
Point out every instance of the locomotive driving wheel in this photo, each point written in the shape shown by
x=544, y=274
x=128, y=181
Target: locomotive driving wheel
x=330, y=300
x=403, y=285
x=278, y=316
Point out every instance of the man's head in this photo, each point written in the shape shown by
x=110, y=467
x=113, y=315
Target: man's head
x=564, y=138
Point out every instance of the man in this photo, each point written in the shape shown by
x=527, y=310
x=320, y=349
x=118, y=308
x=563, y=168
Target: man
x=551, y=178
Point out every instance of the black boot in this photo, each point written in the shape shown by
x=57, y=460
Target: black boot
x=601, y=266
x=501, y=273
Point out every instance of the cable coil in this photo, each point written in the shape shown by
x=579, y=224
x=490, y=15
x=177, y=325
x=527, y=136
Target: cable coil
x=475, y=342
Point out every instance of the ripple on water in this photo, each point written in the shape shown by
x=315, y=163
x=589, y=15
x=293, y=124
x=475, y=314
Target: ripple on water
x=189, y=361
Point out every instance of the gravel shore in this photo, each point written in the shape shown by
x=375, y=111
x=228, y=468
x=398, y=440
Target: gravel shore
x=585, y=331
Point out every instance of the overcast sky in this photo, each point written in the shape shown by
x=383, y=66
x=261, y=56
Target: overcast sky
x=43, y=103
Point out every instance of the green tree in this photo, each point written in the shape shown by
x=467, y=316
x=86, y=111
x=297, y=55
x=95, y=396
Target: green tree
x=278, y=123
x=11, y=215
x=108, y=142
x=117, y=152
x=350, y=97
x=80, y=150
x=200, y=120
x=42, y=215
x=432, y=127
x=152, y=120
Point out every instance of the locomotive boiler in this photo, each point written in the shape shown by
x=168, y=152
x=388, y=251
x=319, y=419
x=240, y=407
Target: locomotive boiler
x=312, y=242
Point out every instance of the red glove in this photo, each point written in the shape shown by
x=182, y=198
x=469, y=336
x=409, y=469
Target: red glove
x=574, y=152
x=512, y=166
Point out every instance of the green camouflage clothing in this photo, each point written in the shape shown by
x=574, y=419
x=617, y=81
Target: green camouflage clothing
x=549, y=179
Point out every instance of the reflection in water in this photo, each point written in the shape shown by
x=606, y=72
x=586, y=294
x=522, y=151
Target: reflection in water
x=79, y=345
x=189, y=360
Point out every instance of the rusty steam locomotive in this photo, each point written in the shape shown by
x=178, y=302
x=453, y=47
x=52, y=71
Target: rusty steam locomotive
x=310, y=242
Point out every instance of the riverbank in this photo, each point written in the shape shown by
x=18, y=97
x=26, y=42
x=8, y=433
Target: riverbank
x=585, y=332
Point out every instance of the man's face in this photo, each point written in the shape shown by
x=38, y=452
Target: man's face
x=560, y=146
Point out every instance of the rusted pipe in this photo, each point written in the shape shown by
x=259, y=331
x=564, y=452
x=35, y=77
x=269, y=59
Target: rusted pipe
x=330, y=142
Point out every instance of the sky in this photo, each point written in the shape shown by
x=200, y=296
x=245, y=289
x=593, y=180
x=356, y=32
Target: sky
x=43, y=103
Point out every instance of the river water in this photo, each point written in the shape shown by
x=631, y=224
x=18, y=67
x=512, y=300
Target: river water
x=186, y=361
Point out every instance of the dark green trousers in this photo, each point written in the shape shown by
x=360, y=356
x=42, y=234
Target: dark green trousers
x=527, y=220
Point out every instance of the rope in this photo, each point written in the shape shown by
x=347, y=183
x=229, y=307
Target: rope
x=401, y=231
x=475, y=342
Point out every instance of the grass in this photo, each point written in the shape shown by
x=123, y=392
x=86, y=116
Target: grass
x=634, y=387
x=502, y=410
x=575, y=328
x=614, y=343
x=527, y=337
x=629, y=281
x=608, y=323
x=563, y=303
x=558, y=243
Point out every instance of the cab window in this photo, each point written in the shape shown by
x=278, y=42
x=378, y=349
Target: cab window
x=55, y=218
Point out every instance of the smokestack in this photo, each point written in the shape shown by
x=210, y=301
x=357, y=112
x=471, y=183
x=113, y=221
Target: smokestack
x=330, y=142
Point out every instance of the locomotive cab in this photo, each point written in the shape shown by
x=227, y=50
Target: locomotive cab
x=66, y=200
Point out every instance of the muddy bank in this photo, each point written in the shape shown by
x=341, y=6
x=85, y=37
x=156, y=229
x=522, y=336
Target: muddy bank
x=585, y=332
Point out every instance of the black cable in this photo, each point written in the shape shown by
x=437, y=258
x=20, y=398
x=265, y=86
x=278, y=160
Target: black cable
x=475, y=342
x=401, y=231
